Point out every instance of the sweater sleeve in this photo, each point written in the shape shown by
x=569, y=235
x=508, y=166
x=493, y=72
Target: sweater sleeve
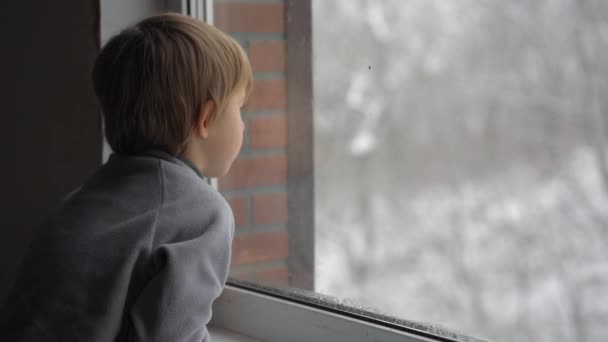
x=175, y=305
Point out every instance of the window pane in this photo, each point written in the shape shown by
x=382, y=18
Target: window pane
x=460, y=174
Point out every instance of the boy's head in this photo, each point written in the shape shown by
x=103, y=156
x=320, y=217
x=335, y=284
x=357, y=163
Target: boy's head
x=175, y=83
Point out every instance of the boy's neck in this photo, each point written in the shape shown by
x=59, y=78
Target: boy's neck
x=191, y=164
x=194, y=159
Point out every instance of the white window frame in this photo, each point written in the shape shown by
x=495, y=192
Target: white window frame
x=199, y=9
x=268, y=318
x=202, y=10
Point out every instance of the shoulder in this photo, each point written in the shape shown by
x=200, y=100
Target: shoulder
x=180, y=181
x=191, y=203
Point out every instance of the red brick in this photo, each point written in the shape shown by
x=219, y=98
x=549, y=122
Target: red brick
x=240, y=210
x=278, y=276
x=255, y=171
x=267, y=56
x=267, y=95
x=268, y=131
x=249, y=17
x=270, y=208
x=259, y=247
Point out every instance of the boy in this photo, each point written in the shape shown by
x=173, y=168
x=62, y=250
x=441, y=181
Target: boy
x=142, y=249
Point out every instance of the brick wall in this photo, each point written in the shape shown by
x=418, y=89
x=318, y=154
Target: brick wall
x=256, y=186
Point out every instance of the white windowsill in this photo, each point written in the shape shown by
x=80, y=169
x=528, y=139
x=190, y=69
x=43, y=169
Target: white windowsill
x=243, y=315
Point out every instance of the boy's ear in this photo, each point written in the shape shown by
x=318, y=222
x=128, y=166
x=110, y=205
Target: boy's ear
x=202, y=125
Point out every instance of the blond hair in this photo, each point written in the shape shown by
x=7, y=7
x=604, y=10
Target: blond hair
x=153, y=78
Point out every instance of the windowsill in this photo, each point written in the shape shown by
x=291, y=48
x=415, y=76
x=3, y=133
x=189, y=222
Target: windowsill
x=267, y=316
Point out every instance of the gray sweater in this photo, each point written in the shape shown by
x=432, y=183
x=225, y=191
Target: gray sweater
x=138, y=253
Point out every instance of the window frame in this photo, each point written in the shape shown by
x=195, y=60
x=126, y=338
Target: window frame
x=272, y=317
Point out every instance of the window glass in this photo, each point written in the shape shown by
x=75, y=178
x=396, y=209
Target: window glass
x=456, y=160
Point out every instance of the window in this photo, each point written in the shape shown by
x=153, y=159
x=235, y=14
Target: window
x=438, y=161
x=459, y=171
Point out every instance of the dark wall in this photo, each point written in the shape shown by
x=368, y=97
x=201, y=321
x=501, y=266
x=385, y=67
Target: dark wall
x=50, y=130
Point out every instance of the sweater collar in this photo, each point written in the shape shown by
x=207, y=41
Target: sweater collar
x=159, y=153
